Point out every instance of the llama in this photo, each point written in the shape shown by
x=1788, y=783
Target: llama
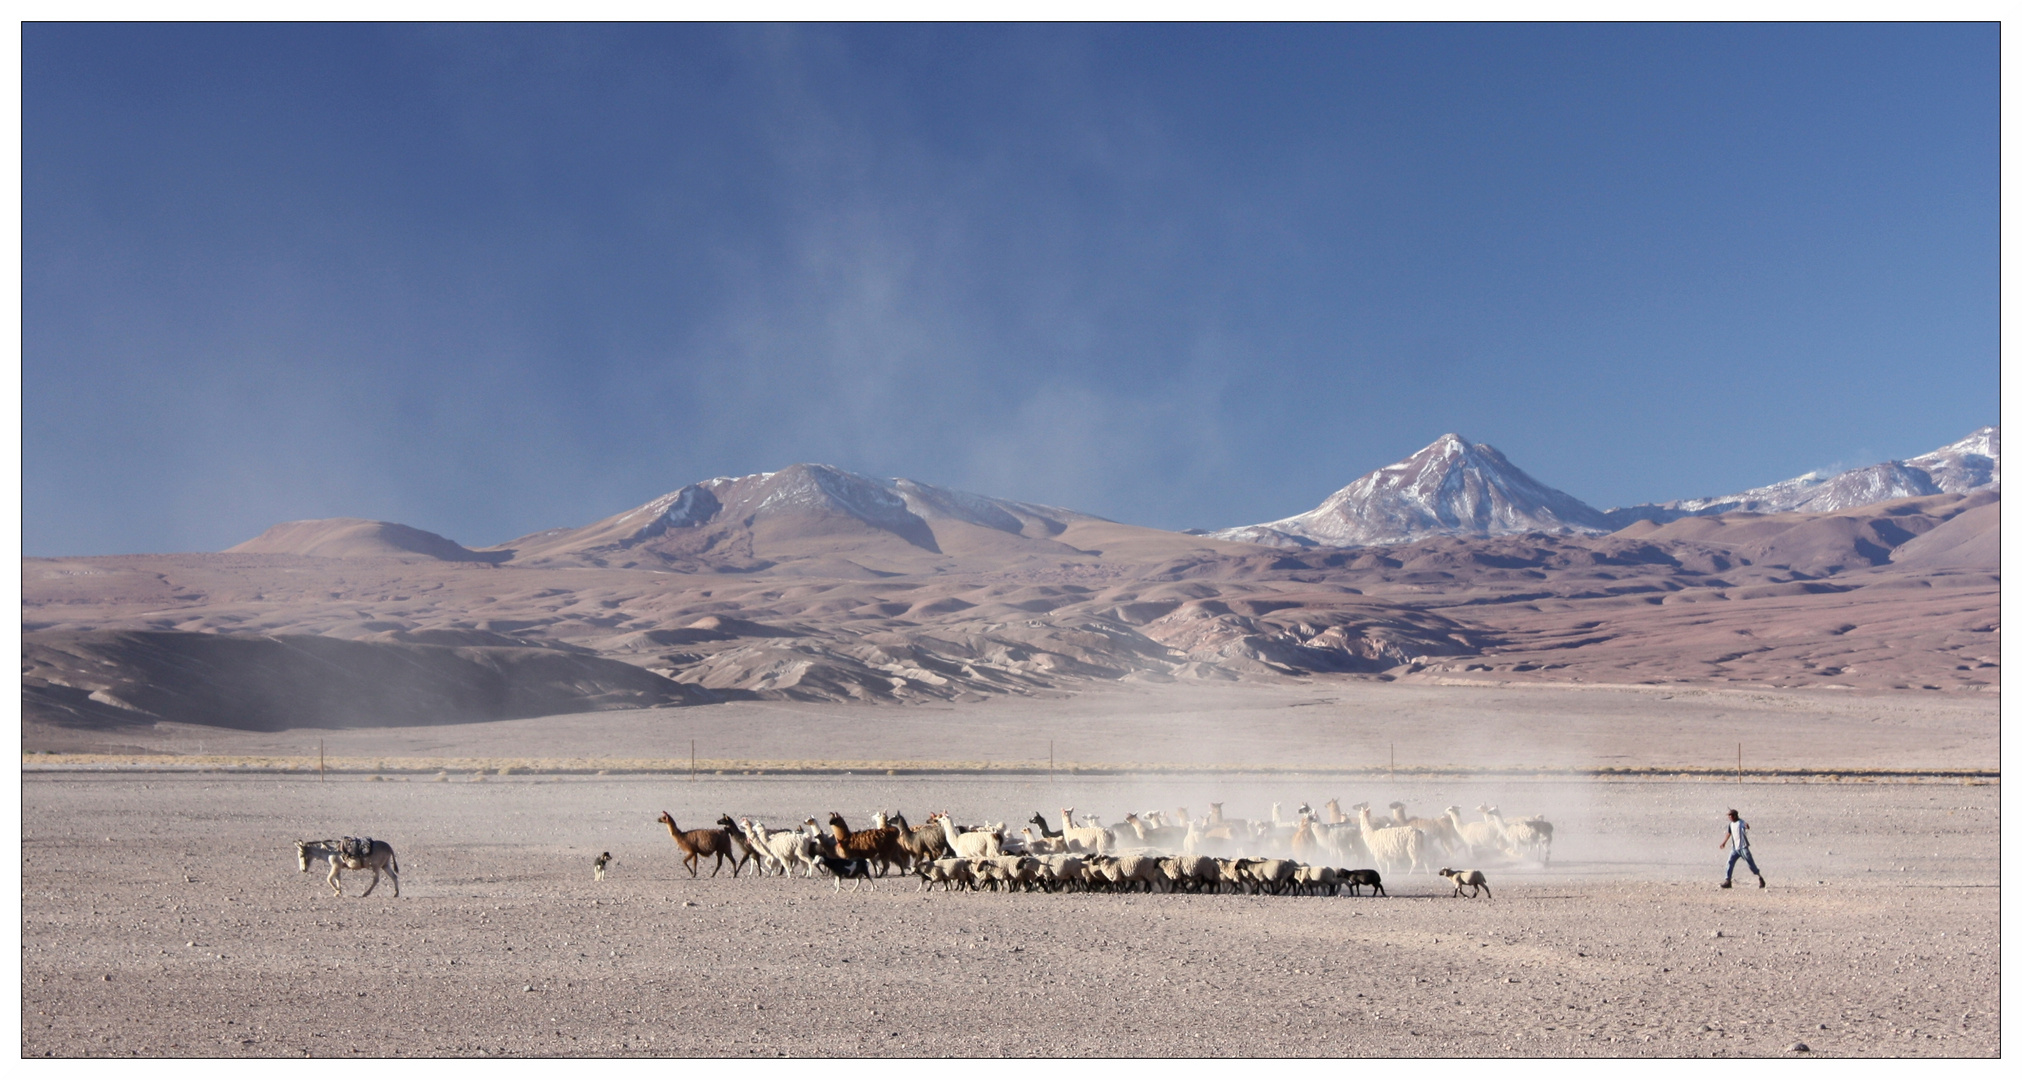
x=1399, y=845
x=1438, y=830
x=697, y=843
x=742, y=840
x=879, y=845
x=1084, y=839
x=920, y=845
x=974, y=844
x=1477, y=838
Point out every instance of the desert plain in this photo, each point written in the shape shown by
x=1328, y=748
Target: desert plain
x=163, y=913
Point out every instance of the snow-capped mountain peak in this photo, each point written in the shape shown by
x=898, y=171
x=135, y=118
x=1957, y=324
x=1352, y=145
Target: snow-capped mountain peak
x=1452, y=487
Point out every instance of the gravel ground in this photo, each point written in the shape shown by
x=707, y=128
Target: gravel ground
x=162, y=914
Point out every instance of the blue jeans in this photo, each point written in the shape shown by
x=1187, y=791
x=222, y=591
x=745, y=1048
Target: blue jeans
x=1736, y=856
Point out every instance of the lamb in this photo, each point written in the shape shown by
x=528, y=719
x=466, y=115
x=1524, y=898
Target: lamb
x=1355, y=879
x=1399, y=845
x=1465, y=878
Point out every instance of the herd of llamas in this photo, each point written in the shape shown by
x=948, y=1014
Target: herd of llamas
x=1147, y=852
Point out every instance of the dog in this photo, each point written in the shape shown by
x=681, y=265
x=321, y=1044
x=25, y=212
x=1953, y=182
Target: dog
x=600, y=862
x=1464, y=878
x=848, y=868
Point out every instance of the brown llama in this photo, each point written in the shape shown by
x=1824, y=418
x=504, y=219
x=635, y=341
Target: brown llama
x=695, y=843
x=881, y=845
x=1304, y=843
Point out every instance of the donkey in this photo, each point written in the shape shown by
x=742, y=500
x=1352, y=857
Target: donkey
x=379, y=858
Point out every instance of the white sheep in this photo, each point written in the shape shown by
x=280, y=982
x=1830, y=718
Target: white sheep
x=1465, y=878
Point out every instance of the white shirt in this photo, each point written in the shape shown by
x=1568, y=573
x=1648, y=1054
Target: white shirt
x=1737, y=830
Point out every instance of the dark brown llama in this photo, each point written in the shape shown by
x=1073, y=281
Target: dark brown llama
x=695, y=843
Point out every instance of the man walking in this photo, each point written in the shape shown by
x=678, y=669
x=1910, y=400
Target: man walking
x=1737, y=834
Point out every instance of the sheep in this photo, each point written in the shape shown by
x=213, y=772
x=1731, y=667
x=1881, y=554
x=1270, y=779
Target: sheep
x=1274, y=874
x=1200, y=872
x=987, y=871
x=1311, y=879
x=1064, y=871
x=1234, y=873
x=1399, y=845
x=1135, y=870
x=1464, y=878
x=1355, y=879
x=1019, y=871
x=950, y=873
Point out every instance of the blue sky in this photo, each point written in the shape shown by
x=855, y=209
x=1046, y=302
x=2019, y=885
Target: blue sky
x=488, y=280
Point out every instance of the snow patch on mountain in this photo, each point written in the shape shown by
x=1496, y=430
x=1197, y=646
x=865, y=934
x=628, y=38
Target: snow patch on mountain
x=1971, y=464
